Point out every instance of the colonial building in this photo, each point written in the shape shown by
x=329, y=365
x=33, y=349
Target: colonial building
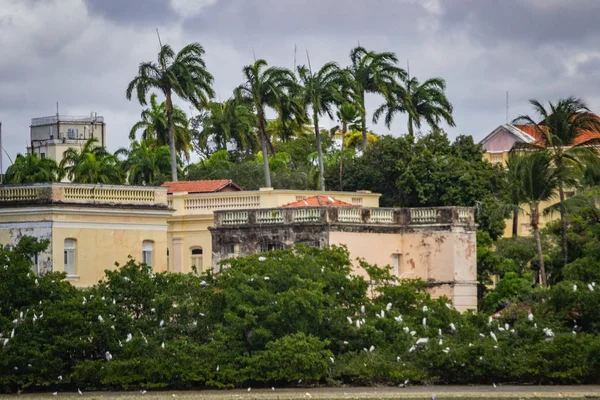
x=186, y=226
x=435, y=244
x=497, y=146
x=90, y=227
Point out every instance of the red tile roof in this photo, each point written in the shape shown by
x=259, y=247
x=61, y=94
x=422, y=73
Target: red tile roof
x=534, y=133
x=318, y=201
x=209, y=186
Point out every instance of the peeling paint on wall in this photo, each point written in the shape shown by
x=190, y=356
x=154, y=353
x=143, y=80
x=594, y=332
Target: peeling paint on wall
x=41, y=231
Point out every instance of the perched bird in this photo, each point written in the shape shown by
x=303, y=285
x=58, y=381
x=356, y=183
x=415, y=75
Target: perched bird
x=590, y=287
x=345, y=342
x=372, y=348
x=331, y=359
x=574, y=288
x=506, y=327
x=108, y=356
x=129, y=337
x=440, y=331
x=80, y=392
x=362, y=309
x=55, y=394
x=161, y=323
x=422, y=340
x=446, y=350
x=261, y=259
x=60, y=377
x=425, y=309
x=143, y=392
x=249, y=389
x=349, y=320
x=273, y=388
x=411, y=349
x=398, y=318
x=100, y=318
x=162, y=345
x=218, y=368
x=493, y=335
x=452, y=326
x=413, y=333
x=530, y=317
x=424, y=322
x=388, y=307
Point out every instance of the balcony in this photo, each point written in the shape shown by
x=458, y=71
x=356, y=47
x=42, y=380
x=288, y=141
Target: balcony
x=396, y=217
x=68, y=193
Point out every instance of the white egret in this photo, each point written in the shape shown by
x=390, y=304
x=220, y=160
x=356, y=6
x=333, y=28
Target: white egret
x=372, y=348
x=261, y=259
x=422, y=340
x=108, y=356
x=530, y=317
x=129, y=337
x=100, y=318
x=425, y=308
x=331, y=359
x=493, y=335
x=424, y=322
x=388, y=307
x=80, y=392
x=452, y=326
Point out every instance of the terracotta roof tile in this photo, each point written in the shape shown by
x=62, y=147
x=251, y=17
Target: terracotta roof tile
x=318, y=201
x=533, y=132
x=208, y=186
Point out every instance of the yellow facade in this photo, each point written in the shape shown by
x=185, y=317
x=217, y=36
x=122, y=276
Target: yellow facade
x=193, y=214
x=93, y=226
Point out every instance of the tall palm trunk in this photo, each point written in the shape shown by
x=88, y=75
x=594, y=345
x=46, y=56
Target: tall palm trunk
x=319, y=152
x=410, y=127
x=171, y=127
x=363, y=120
x=263, y=148
x=563, y=223
x=535, y=224
x=344, y=130
x=515, y=223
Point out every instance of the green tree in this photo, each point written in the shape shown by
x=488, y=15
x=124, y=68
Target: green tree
x=539, y=180
x=183, y=74
x=263, y=89
x=371, y=72
x=227, y=122
x=320, y=91
x=31, y=169
x=146, y=165
x=91, y=164
x=155, y=127
x=561, y=132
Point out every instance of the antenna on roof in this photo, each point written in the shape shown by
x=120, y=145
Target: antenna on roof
x=295, y=50
x=254, y=54
x=507, y=106
x=57, y=109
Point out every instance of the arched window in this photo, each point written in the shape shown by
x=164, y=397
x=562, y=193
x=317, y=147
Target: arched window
x=196, y=258
x=71, y=257
x=147, y=247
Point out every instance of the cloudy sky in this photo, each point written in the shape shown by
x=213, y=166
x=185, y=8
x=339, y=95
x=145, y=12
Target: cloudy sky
x=83, y=53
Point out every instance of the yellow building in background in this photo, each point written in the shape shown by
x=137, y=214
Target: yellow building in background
x=90, y=227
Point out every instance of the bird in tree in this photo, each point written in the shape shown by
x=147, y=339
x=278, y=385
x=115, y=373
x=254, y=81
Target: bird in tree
x=564, y=133
x=183, y=74
x=30, y=168
x=420, y=101
x=371, y=72
x=154, y=125
x=538, y=181
x=263, y=88
x=146, y=165
x=228, y=122
x=321, y=91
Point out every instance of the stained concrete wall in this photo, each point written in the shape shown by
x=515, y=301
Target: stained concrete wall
x=11, y=234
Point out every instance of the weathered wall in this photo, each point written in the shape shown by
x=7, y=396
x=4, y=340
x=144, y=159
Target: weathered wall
x=250, y=239
x=185, y=233
x=11, y=233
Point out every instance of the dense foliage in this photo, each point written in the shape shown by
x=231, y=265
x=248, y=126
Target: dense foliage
x=292, y=317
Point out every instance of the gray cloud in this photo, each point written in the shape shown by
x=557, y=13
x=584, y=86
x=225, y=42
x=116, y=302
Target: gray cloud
x=83, y=53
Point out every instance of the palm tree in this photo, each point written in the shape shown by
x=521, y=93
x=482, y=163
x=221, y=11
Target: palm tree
x=515, y=188
x=264, y=89
x=146, y=165
x=226, y=122
x=73, y=157
x=92, y=169
x=371, y=72
x=155, y=127
x=183, y=74
x=562, y=133
x=421, y=101
x=538, y=183
x=347, y=115
x=321, y=90
x=31, y=169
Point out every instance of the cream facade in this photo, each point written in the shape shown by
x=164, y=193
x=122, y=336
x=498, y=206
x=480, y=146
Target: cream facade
x=190, y=241
x=90, y=227
x=437, y=245
x=51, y=136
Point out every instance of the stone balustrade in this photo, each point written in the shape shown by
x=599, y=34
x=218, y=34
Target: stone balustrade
x=82, y=194
x=348, y=215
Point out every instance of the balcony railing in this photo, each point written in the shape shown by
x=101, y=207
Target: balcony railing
x=82, y=194
x=348, y=215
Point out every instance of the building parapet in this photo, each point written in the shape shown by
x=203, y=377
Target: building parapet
x=346, y=215
x=53, y=119
x=207, y=203
x=82, y=194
